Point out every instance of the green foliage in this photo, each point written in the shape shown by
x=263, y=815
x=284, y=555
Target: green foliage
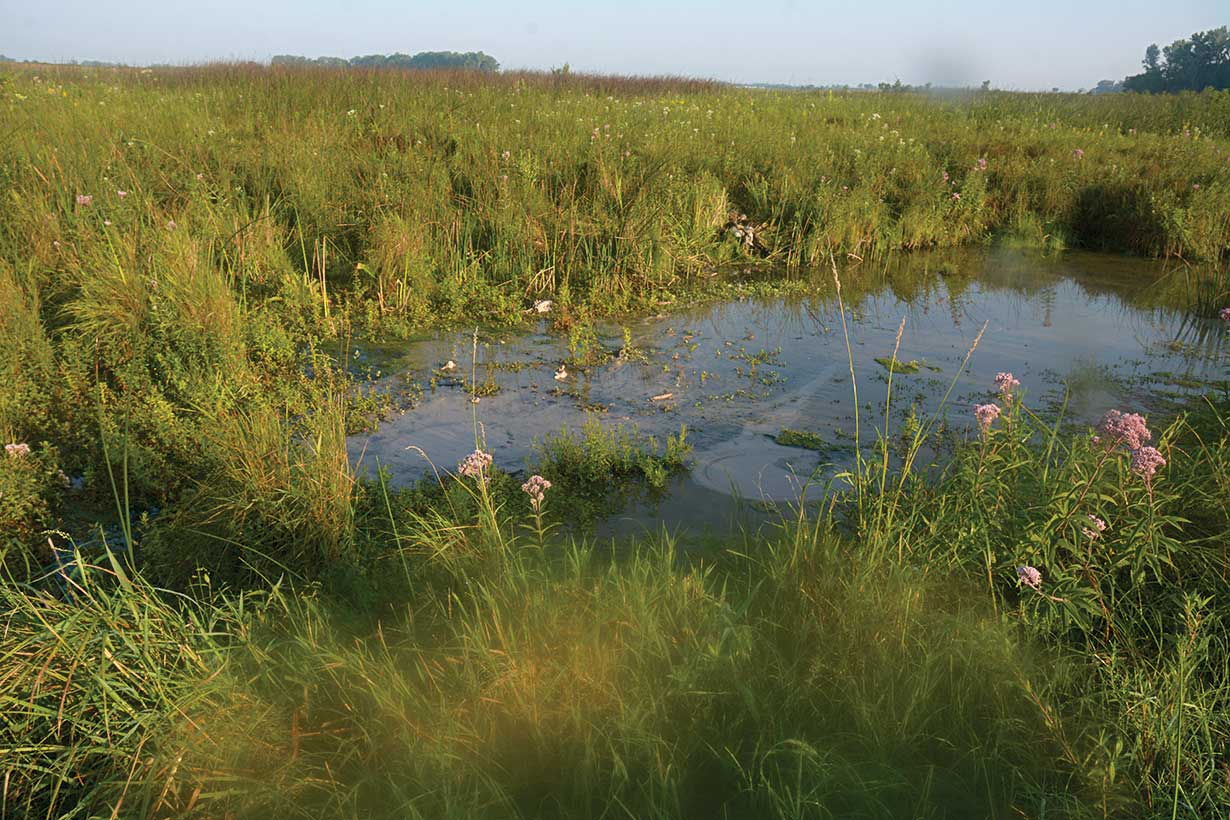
x=800, y=438
x=805, y=671
x=424, y=60
x=896, y=366
x=598, y=456
x=425, y=653
x=1194, y=64
x=30, y=483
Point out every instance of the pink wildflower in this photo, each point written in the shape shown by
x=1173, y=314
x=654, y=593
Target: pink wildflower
x=1145, y=461
x=956, y=197
x=85, y=200
x=1124, y=428
x=536, y=488
x=171, y=224
x=985, y=414
x=121, y=194
x=1095, y=529
x=475, y=466
x=1005, y=383
x=1078, y=153
x=1224, y=313
x=982, y=163
x=17, y=449
x=1030, y=577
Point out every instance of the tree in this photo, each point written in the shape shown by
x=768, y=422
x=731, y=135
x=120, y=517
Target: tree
x=1194, y=64
x=470, y=60
x=1152, y=55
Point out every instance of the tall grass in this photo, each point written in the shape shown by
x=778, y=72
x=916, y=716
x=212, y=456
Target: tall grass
x=284, y=638
x=896, y=668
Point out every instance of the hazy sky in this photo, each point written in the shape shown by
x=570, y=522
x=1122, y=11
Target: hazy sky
x=1025, y=44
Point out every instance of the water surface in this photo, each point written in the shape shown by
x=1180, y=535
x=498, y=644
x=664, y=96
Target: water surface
x=1090, y=330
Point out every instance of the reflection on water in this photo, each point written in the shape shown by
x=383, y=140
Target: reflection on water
x=1085, y=326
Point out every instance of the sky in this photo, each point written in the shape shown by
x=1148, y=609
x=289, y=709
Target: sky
x=1026, y=45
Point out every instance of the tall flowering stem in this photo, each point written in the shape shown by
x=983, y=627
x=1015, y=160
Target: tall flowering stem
x=536, y=488
x=477, y=465
x=986, y=414
x=1006, y=384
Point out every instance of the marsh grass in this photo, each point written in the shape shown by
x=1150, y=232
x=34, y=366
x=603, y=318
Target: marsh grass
x=814, y=669
x=287, y=639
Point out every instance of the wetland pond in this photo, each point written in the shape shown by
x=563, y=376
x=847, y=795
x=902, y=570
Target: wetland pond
x=1082, y=332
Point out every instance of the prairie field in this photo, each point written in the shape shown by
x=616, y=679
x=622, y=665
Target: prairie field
x=224, y=594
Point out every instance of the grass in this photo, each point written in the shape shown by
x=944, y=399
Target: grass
x=278, y=635
x=896, y=668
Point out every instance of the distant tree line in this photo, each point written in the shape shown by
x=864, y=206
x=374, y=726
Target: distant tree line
x=424, y=60
x=1199, y=62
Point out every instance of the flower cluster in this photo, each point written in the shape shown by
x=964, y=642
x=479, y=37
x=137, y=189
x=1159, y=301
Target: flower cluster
x=1145, y=462
x=1030, y=577
x=536, y=488
x=85, y=200
x=475, y=466
x=17, y=449
x=986, y=413
x=1224, y=313
x=1078, y=153
x=1095, y=529
x=1006, y=383
x=1128, y=429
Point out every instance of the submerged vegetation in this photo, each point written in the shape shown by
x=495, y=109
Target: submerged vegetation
x=207, y=612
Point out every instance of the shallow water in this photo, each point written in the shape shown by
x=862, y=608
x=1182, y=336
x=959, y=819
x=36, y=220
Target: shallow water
x=1088, y=327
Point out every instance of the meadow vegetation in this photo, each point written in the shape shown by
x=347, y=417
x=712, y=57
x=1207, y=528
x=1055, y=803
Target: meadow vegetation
x=1036, y=627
